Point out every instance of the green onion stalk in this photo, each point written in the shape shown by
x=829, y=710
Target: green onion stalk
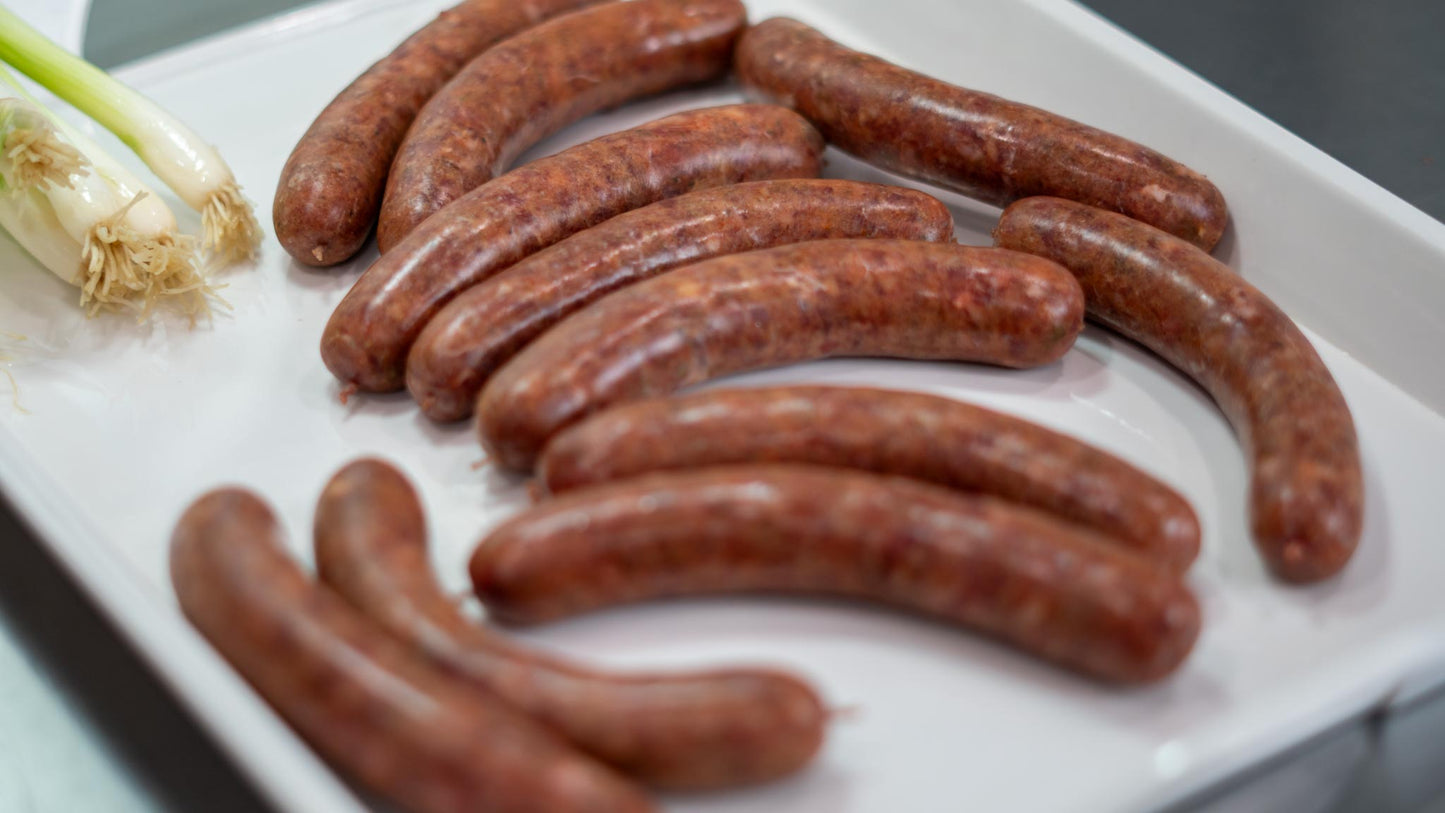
x=186, y=163
x=86, y=219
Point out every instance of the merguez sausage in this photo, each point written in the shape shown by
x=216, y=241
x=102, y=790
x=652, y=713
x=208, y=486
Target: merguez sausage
x=1050, y=588
x=366, y=341
x=331, y=187
x=904, y=433
x=478, y=331
x=1307, y=490
x=981, y=145
x=394, y=723
x=543, y=79
x=895, y=298
x=701, y=730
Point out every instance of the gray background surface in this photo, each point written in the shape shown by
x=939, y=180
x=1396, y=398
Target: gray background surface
x=1363, y=81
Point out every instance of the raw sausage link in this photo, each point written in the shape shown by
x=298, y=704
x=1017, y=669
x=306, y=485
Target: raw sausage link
x=479, y=330
x=1050, y=588
x=701, y=730
x=394, y=723
x=814, y=300
x=543, y=79
x=366, y=342
x=1307, y=490
x=905, y=433
x=981, y=145
x=331, y=187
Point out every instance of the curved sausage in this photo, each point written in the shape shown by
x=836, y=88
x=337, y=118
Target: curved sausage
x=904, y=433
x=495, y=225
x=391, y=721
x=701, y=730
x=1050, y=588
x=478, y=331
x=827, y=298
x=1307, y=490
x=981, y=145
x=331, y=187
x=541, y=80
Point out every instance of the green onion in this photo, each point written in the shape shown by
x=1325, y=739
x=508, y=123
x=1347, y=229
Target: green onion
x=33, y=155
x=84, y=218
x=187, y=164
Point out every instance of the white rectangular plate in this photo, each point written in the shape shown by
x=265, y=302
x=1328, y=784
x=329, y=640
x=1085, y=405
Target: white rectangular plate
x=125, y=425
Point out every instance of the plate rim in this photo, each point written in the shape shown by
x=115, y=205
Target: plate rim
x=285, y=770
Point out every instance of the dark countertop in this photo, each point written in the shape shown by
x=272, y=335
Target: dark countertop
x=1364, y=82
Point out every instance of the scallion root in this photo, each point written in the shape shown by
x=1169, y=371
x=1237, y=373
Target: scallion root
x=14, y=391
x=5, y=371
x=37, y=157
x=122, y=269
x=232, y=233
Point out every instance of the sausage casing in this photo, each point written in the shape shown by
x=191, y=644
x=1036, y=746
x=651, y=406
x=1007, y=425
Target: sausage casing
x=709, y=729
x=896, y=298
x=1307, y=489
x=331, y=187
x=910, y=434
x=981, y=145
x=495, y=225
x=486, y=325
x=529, y=86
x=390, y=720
x=1050, y=588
